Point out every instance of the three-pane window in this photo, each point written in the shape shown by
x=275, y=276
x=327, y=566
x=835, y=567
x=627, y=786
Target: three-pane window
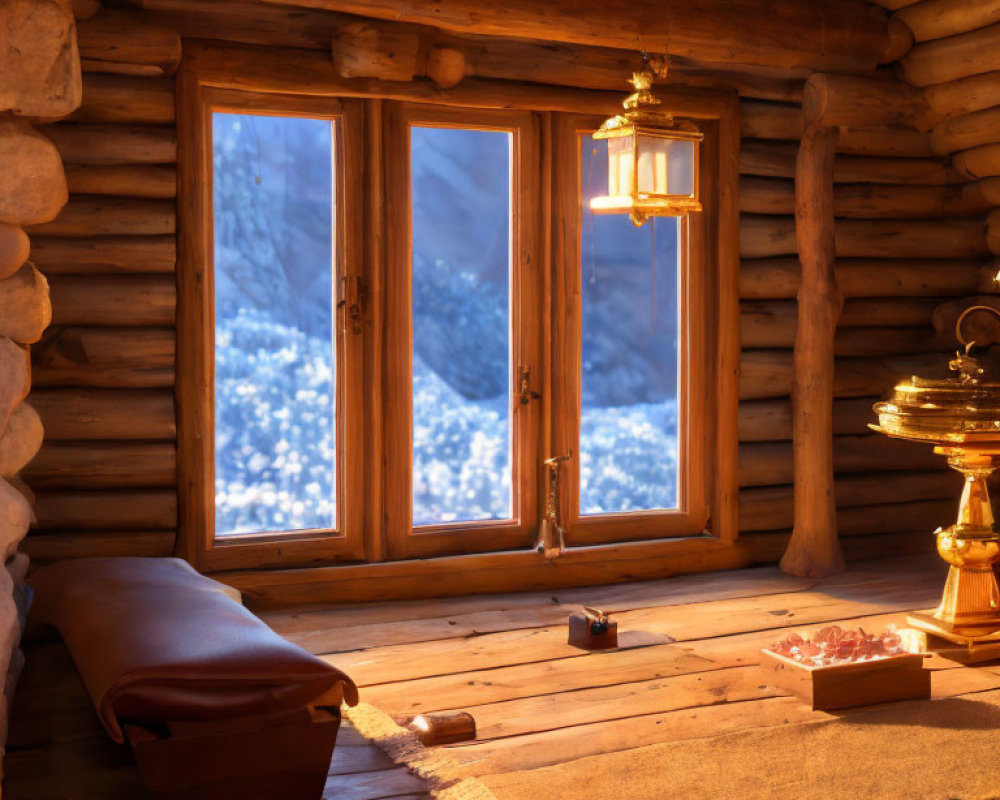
x=412, y=308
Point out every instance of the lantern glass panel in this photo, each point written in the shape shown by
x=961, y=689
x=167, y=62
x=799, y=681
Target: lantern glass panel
x=654, y=158
x=680, y=167
x=621, y=165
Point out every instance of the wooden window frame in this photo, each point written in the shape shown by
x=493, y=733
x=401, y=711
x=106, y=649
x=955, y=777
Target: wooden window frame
x=696, y=329
x=195, y=387
x=404, y=540
x=279, y=77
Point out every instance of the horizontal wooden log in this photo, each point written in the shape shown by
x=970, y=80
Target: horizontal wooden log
x=884, y=140
x=851, y=100
x=106, y=510
x=770, y=508
x=769, y=159
x=394, y=51
x=120, y=41
x=892, y=5
x=919, y=171
x=993, y=231
x=122, y=180
x=889, y=312
x=487, y=57
x=767, y=547
x=870, y=201
x=111, y=216
x=771, y=420
x=982, y=327
x=869, y=532
x=900, y=41
x=966, y=132
x=778, y=278
x=57, y=545
x=899, y=312
x=769, y=373
x=765, y=236
x=910, y=202
x=112, y=254
x=937, y=19
x=105, y=357
x=34, y=185
x=113, y=144
x=920, y=516
x=979, y=162
x=113, y=300
x=21, y=440
x=38, y=59
x=14, y=249
x=763, y=326
x=762, y=120
x=15, y=378
x=954, y=58
x=838, y=36
x=773, y=159
x=103, y=465
x=770, y=463
x=85, y=9
x=946, y=101
x=25, y=310
x=776, y=121
x=126, y=99
x=95, y=414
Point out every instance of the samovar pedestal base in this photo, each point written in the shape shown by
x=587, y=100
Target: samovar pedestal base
x=969, y=614
x=958, y=634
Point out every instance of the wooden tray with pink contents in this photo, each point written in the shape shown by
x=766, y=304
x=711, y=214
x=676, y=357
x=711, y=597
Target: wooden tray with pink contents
x=840, y=669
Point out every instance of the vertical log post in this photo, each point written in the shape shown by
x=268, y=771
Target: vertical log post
x=814, y=549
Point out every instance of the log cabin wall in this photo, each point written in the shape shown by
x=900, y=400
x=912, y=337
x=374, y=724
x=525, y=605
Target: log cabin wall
x=104, y=372
x=910, y=233
x=39, y=79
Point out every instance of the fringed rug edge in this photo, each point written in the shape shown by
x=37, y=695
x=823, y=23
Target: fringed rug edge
x=435, y=766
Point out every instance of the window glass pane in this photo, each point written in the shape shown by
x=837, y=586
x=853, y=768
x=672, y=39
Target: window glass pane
x=461, y=201
x=629, y=384
x=274, y=334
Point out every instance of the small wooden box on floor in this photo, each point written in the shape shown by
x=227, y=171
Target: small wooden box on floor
x=591, y=632
x=861, y=683
x=285, y=756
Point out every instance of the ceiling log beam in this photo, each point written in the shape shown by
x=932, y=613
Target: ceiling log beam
x=837, y=36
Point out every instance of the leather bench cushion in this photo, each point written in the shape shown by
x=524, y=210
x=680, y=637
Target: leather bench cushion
x=156, y=642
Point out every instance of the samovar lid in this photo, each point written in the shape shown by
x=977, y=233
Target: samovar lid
x=962, y=407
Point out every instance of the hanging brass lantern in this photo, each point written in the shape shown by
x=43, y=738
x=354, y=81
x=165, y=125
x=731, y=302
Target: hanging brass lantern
x=652, y=159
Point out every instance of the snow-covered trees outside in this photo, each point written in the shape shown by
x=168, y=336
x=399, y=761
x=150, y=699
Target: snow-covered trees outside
x=275, y=371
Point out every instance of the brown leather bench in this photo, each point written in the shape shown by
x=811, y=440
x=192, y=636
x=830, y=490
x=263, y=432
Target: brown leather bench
x=212, y=701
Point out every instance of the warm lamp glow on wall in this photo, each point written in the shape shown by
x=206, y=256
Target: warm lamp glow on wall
x=652, y=159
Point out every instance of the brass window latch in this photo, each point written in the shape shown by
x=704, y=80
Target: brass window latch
x=349, y=300
x=551, y=534
x=524, y=391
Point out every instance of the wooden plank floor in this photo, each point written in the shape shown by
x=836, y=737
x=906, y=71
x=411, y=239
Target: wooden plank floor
x=685, y=668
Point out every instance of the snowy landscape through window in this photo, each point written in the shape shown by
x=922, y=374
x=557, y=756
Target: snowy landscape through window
x=275, y=338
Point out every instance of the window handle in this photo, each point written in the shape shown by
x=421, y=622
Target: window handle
x=349, y=303
x=551, y=534
x=524, y=391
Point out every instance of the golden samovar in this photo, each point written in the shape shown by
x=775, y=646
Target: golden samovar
x=960, y=416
